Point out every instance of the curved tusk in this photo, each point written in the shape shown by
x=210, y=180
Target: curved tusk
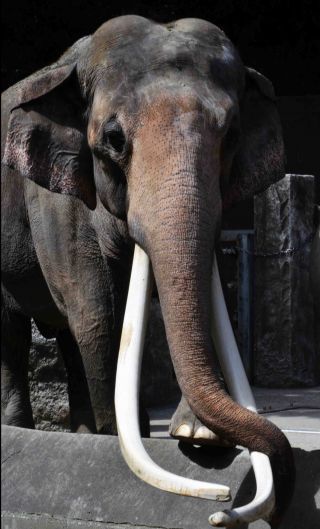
x=127, y=383
x=227, y=350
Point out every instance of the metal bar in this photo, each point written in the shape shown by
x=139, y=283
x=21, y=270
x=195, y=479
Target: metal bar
x=245, y=299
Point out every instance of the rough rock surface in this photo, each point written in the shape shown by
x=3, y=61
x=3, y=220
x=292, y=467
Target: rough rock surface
x=48, y=384
x=286, y=353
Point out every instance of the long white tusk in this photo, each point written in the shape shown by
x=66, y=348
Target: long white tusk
x=127, y=392
x=226, y=347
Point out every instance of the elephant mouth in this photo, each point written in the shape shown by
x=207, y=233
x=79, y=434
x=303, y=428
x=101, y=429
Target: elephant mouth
x=127, y=410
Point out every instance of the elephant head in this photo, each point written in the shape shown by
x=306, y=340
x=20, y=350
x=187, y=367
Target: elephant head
x=165, y=127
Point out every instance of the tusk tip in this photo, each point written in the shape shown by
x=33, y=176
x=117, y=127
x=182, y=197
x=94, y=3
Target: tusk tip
x=222, y=519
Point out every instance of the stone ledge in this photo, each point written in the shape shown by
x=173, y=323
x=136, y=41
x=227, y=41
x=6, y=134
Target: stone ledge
x=44, y=521
x=55, y=480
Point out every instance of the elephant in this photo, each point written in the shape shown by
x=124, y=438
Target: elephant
x=141, y=133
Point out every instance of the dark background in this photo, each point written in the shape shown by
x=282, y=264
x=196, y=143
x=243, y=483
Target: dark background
x=280, y=38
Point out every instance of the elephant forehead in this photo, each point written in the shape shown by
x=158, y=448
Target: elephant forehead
x=130, y=23
x=133, y=48
x=130, y=27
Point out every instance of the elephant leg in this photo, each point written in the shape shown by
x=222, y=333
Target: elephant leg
x=95, y=322
x=81, y=413
x=100, y=371
x=15, y=344
x=186, y=427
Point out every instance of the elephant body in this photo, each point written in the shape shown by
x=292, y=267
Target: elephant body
x=141, y=133
x=74, y=286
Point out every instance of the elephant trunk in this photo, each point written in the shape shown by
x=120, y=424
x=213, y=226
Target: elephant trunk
x=174, y=214
x=181, y=256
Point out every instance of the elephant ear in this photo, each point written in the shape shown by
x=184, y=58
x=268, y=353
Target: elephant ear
x=259, y=160
x=46, y=138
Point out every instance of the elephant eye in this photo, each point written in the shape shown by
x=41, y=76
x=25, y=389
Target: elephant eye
x=113, y=136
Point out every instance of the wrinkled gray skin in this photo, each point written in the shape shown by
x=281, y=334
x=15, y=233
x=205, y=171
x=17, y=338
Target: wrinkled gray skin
x=139, y=133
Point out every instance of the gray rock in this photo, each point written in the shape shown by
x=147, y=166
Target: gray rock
x=286, y=353
x=48, y=384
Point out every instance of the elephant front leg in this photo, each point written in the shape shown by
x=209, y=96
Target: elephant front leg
x=99, y=348
x=15, y=344
x=186, y=427
x=81, y=415
x=99, y=362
